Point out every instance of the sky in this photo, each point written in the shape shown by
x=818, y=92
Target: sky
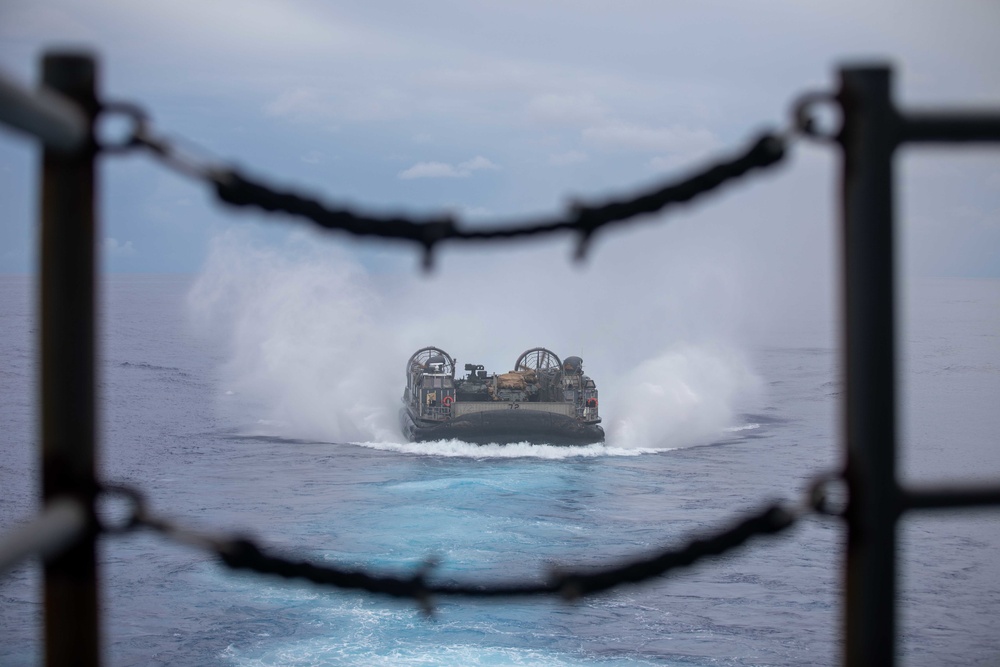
x=494, y=112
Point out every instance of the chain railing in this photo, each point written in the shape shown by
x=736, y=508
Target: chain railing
x=62, y=115
x=240, y=552
x=236, y=189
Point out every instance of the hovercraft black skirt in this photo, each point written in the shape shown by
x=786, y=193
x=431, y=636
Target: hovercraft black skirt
x=503, y=427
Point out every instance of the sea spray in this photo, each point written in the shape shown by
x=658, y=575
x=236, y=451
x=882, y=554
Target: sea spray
x=304, y=346
x=687, y=395
x=459, y=449
x=316, y=347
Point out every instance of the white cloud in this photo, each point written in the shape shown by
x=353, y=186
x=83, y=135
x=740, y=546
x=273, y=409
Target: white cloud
x=297, y=102
x=661, y=163
x=115, y=249
x=312, y=157
x=618, y=135
x=311, y=104
x=477, y=163
x=431, y=170
x=567, y=158
x=574, y=110
x=476, y=212
x=40, y=22
x=445, y=170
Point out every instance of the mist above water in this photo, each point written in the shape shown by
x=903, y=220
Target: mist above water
x=305, y=349
x=686, y=395
x=316, y=345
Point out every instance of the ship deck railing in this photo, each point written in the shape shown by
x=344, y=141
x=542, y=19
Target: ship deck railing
x=62, y=116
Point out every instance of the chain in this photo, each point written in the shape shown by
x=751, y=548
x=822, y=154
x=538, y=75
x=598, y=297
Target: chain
x=237, y=189
x=241, y=553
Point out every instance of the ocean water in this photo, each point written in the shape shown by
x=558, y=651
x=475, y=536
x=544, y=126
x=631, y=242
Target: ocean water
x=205, y=457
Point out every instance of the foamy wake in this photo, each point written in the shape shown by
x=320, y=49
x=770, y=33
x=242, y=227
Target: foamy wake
x=744, y=427
x=458, y=448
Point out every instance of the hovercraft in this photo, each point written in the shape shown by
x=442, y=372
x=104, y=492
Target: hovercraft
x=542, y=401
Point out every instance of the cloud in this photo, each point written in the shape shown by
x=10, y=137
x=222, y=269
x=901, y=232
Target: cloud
x=567, y=158
x=431, y=170
x=446, y=170
x=364, y=104
x=676, y=139
x=303, y=101
x=691, y=160
x=475, y=212
x=115, y=249
x=33, y=21
x=574, y=110
x=477, y=163
x=312, y=157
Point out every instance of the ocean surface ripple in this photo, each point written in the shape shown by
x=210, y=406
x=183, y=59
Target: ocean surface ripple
x=498, y=514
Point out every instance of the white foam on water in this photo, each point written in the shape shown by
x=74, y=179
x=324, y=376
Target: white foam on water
x=458, y=448
x=744, y=427
x=324, y=652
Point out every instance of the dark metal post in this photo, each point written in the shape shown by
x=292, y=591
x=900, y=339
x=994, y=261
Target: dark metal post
x=67, y=325
x=869, y=140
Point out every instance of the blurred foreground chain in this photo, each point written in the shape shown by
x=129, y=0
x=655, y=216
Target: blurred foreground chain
x=236, y=189
x=241, y=553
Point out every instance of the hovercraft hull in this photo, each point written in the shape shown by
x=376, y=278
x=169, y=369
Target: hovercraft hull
x=503, y=427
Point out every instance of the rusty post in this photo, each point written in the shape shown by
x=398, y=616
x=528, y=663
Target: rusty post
x=72, y=635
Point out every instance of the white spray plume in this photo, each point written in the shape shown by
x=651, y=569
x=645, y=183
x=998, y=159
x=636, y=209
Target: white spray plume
x=685, y=396
x=316, y=347
x=301, y=335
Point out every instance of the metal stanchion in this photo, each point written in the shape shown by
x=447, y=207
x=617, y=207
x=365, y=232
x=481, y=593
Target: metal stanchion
x=72, y=634
x=873, y=128
x=869, y=141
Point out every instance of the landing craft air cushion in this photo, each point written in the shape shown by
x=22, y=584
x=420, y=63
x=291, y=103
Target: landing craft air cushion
x=542, y=401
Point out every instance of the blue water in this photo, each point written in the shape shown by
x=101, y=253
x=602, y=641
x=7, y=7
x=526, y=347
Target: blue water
x=501, y=514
